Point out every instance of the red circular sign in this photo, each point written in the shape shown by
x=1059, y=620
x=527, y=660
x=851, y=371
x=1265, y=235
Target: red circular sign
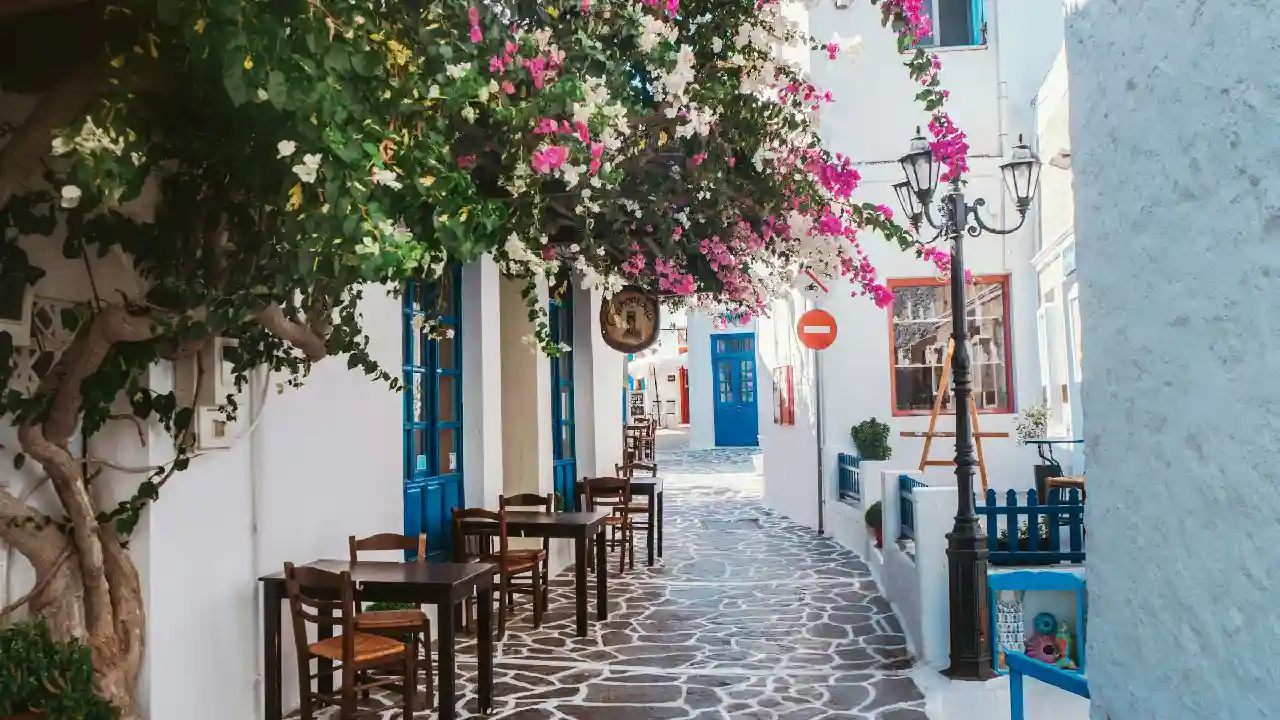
x=817, y=329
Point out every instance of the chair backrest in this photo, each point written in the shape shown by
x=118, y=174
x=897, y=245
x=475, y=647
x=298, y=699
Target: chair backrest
x=629, y=469
x=474, y=530
x=389, y=541
x=545, y=503
x=607, y=491
x=311, y=592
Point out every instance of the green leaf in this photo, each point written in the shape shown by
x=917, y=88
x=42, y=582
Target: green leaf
x=236, y=85
x=19, y=460
x=277, y=89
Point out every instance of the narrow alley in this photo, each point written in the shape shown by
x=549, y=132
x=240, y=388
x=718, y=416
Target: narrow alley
x=748, y=616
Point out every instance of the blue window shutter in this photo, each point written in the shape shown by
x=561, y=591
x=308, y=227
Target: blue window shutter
x=978, y=16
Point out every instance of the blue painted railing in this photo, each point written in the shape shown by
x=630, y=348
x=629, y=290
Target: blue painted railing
x=907, y=505
x=1063, y=522
x=849, y=477
x=1020, y=665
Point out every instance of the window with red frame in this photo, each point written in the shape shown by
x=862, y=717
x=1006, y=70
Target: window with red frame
x=784, y=396
x=920, y=328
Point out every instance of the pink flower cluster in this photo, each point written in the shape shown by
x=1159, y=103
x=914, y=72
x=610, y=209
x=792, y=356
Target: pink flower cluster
x=474, y=16
x=549, y=126
x=549, y=158
x=671, y=279
x=809, y=93
x=950, y=146
x=672, y=6
x=838, y=178
x=942, y=260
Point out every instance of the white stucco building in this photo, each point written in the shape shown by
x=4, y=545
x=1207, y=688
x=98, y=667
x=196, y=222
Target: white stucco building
x=341, y=456
x=886, y=364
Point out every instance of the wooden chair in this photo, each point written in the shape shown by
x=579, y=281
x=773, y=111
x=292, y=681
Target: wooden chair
x=614, y=493
x=474, y=532
x=638, y=510
x=312, y=594
x=540, y=503
x=396, y=623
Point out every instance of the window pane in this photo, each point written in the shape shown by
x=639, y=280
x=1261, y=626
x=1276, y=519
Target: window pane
x=443, y=289
x=447, y=405
x=420, y=451
x=921, y=332
x=447, y=347
x=448, y=455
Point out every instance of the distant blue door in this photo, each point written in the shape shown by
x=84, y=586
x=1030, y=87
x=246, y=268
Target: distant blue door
x=733, y=367
x=433, y=408
x=565, y=463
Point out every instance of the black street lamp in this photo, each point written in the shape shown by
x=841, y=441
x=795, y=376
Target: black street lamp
x=966, y=543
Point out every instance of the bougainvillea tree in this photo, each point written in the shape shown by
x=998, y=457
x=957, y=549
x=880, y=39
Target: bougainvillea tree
x=260, y=162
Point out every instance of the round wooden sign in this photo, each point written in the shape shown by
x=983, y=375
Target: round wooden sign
x=629, y=320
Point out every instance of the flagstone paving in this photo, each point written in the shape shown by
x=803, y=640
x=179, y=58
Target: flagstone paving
x=757, y=618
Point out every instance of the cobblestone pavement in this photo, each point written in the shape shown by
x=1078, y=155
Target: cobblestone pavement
x=748, y=615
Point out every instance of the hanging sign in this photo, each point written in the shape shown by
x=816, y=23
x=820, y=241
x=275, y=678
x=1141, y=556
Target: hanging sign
x=817, y=329
x=629, y=320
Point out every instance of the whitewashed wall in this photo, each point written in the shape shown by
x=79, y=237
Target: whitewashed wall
x=991, y=92
x=1173, y=124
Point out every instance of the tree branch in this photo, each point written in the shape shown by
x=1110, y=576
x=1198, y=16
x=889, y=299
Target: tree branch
x=295, y=333
x=20, y=157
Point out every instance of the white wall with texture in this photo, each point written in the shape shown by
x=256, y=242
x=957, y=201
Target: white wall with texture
x=1174, y=106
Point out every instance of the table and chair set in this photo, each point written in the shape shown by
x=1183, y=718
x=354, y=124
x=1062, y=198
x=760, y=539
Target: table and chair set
x=389, y=648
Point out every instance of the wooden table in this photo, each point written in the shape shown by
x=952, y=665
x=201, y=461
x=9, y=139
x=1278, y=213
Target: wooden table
x=443, y=585
x=578, y=526
x=650, y=487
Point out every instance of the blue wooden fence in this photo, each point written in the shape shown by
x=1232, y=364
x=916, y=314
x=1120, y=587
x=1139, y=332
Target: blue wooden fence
x=1020, y=665
x=1062, y=522
x=907, y=505
x=849, y=477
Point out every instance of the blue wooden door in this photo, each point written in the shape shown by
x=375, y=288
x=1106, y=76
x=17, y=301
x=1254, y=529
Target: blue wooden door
x=433, y=408
x=565, y=464
x=733, y=367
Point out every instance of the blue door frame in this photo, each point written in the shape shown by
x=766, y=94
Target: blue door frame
x=433, y=409
x=733, y=370
x=565, y=463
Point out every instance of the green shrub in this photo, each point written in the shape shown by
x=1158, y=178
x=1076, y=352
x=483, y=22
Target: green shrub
x=873, y=516
x=52, y=677
x=871, y=437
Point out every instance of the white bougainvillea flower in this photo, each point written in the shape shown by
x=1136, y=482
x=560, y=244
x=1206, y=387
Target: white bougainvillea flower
x=62, y=146
x=71, y=196
x=306, y=172
x=286, y=148
x=383, y=176
x=457, y=70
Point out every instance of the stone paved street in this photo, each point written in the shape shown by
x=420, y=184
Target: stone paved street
x=747, y=616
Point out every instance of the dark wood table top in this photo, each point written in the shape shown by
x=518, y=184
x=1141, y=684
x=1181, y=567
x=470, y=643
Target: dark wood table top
x=528, y=519
x=428, y=574
x=640, y=482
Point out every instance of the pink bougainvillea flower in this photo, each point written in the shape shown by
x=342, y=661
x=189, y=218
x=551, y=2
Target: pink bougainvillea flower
x=549, y=158
x=508, y=88
x=466, y=162
x=886, y=211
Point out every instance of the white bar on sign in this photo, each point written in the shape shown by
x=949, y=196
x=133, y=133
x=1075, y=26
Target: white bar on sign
x=816, y=329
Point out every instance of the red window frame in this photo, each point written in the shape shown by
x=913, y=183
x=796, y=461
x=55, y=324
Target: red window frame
x=1010, y=401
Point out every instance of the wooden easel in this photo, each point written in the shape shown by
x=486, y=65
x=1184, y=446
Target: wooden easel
x=943, y=384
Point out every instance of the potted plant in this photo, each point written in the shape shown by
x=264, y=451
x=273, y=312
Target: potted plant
x=1023, y=544
x=871, y=437
x=875, y=521
x=44, y=679
x=1033, y=424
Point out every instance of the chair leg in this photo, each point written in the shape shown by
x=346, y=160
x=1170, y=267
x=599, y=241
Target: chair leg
x=538, y=599
x=411, y=677
x=426, y=665
x=304, y=687
x=348, y=711
x=503, y=607
x=468, y=611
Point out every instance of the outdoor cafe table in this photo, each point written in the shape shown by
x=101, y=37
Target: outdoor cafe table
x=443, y=585
x=578, y=526
x=650, y=487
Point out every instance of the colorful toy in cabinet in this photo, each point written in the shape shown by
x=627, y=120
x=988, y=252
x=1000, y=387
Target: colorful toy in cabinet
x=1051, y=639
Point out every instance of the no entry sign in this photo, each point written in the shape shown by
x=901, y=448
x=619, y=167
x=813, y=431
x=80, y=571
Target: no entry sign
x=817, y=329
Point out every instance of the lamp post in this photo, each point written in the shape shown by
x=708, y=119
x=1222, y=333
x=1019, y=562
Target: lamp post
x=966, y=543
